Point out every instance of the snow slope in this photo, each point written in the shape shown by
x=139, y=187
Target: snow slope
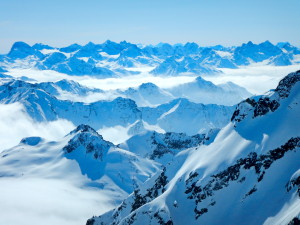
x=203, y=91
x=79, y=171
x=42, y=106
x=198, y=91
x=162, y=147
x=183, y=116
x=248, y=175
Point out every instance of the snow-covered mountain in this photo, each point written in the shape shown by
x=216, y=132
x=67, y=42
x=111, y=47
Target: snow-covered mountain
x=173, y=66
x=175, y=147
x=202, y=91
x=148, y=94
x=249, y=174
x=81, y=153
x=197, y=91
x=183, y=116
x=41, y=104
x=111, y=59
x=66, y=86
x=162, y=147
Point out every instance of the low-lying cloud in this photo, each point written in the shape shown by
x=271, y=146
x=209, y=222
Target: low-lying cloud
x=27, y=201
x=15, y=124
x=257, y=79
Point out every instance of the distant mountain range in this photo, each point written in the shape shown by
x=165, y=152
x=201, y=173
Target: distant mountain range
x=40, y=104
x=112, y=59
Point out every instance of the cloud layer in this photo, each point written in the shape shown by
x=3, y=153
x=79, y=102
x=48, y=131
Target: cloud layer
x=16, y=124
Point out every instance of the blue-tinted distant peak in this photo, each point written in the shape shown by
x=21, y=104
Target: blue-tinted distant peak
x=71, y=48
x=21, y=50
x=40, y=46
x=90, y=44
x=20, y=45
x=125, y=43
x=148, y=85
x=266, y=44
x=218, y=47
x=161, y=44
x=282, y=44
x=191, y=46
x=109, y=42
x=250, y=43
x=90, y=47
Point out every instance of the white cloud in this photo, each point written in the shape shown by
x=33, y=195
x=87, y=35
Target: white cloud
x=27, y=201
x=257, y=79
x=15, y=124
x=104, y=84
x=135, y=81
x=116, y=134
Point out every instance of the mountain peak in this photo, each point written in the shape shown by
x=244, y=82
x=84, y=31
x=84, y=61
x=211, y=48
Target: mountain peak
x=260, y=106
x=205, y=83
x=40, y=46
x=286, y=84
x=85, y=138
x=21, y=50
x=250, y=43
x=266, y=44
x=109, y=42
x=282, y=44
x=20, y=44
x=83, y=128
x=148, y=85
x=71, y=48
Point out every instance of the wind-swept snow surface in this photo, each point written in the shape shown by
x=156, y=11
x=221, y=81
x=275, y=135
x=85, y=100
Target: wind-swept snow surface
x=249, y=174
x=65, y=181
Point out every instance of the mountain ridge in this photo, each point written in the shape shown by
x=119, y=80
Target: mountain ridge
x=251, y=161
x=111, y=59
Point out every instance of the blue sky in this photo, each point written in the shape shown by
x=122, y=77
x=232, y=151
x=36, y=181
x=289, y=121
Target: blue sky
x=206, y=22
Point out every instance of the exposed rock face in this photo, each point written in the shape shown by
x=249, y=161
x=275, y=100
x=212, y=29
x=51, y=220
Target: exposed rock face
x=287, y=83
x=260, y=163
x=258, y=107
x=90, y=140
x=254, y=162
x=162, y=147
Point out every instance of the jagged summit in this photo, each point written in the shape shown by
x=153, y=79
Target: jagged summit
x=246, y=166
x=162, y=147
x=80, y=158
x=111, y=59
x=40, y=46
x=148, y=85
x=204, y=83
x=261, y=105
x=287, y=83
x=21, y=50
x=84, y=128
x=71, y=48
x=86, y=138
